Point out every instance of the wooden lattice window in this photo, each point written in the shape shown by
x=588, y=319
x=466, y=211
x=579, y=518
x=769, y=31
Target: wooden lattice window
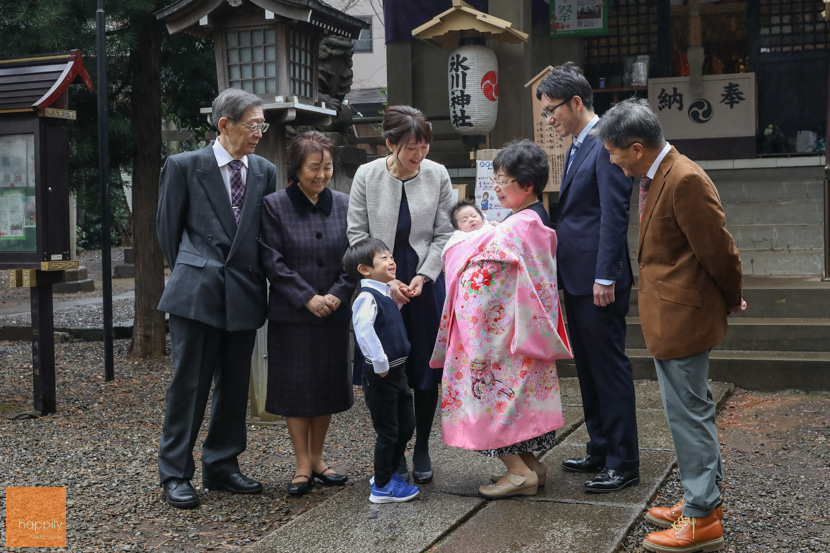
x=301, y=63
x=792, y=26
x=252, y=60
x=632, y=31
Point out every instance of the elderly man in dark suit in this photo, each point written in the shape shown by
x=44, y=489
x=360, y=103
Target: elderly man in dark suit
x=690, y=279
x=595, y=276
x=207, y=223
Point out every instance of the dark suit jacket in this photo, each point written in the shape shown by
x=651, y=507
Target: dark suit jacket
x=302, y=247
x=690, y=269
x=592, y=222
x=216, y=276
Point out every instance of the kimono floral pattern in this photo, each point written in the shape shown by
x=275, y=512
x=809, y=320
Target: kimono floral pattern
x=500, y=332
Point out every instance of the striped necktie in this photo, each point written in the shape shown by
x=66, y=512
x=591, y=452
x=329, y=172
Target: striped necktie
x=237, y=188
x=645, y=184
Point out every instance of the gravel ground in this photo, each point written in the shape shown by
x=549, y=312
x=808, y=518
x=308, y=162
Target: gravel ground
x=102, y=445
x=776, y=462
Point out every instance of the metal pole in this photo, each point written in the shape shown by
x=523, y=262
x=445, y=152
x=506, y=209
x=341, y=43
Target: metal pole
x=827, y=184
x=103, y=170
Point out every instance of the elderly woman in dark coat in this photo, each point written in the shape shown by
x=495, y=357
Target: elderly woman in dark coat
x=302, y=242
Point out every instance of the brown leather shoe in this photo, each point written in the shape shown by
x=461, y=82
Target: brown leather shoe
x=665, y=516
x=687, y=535
x=517, y=485
x=539, y=468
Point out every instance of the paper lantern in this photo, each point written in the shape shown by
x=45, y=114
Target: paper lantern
x=474, y=87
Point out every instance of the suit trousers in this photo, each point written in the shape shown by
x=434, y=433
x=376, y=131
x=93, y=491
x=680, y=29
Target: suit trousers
x=203, y=354
x=390, y=403
x=605, y=378
x=690, y=411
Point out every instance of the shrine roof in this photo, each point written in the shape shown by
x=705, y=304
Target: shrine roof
x=33, y=83
x=205, y=16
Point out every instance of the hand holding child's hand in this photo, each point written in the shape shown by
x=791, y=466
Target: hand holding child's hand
x=399, y=292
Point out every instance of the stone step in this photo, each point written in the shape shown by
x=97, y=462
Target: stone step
x=753, y=334
x=777, y=297
x=753, y=370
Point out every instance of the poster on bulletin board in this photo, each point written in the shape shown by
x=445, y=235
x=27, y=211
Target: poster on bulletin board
x=578, y=18
x=485, y=196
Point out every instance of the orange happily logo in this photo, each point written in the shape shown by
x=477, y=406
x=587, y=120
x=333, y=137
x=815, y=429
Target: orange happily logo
x=35, y=517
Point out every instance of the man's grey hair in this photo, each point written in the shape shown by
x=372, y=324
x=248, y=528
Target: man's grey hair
x=233, y=103
x=630, y=121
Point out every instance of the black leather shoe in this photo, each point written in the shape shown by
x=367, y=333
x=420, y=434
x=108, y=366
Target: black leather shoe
x=299, y=488
x=332, y=479
x=589, y=463
x=422, y=477
x=180, y=494
x=421, y=467
x=612, y=480
x=234, y=483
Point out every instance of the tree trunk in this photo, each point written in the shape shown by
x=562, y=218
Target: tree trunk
x=149, y=325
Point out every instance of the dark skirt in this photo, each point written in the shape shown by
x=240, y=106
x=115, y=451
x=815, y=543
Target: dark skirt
x=308, y=369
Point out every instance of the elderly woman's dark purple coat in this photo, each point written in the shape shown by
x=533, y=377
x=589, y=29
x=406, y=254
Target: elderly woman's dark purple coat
x=301, y=248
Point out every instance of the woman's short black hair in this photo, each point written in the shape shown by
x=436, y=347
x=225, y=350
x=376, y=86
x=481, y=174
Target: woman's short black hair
x=526, y=162
x=462, y=204
x=362, y=253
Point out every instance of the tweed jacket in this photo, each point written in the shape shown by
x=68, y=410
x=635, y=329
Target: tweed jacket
x=690, y=269
x=215, y=275
x=301, y=248
x=374, y=203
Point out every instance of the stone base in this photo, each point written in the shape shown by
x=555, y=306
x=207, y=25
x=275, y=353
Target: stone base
x=124, y=270
x=75, y=280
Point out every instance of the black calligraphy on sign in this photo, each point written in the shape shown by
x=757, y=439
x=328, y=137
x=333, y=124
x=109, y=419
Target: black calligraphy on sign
x=459, y=99
x=667, y=101
x=732, y=94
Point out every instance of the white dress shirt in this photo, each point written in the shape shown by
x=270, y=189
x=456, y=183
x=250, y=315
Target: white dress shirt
x=223, y=158
x=364, y=313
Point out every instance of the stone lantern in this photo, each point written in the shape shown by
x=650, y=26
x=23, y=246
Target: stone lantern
x=269, y=48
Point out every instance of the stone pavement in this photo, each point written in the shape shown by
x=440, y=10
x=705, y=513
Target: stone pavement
x=450, y=517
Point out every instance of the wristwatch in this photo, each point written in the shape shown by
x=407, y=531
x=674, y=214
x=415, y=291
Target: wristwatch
x=423, y=276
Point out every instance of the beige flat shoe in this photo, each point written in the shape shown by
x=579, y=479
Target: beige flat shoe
x=540, y=470
x=518, y=485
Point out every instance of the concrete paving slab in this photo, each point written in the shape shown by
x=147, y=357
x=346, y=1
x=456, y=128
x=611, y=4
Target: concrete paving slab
x=569, y=391
x=461, y=471
x=349, y=523
x=652, y=429
x=567, y=486
x=540, y=527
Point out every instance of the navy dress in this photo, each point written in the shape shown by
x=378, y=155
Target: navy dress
x=421, y=316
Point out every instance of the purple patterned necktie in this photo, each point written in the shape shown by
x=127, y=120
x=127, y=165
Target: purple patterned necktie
x=237, y=188
x=645, y=184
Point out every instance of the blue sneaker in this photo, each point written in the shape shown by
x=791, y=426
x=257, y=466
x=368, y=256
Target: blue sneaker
x=396, y=491
x=395, y=476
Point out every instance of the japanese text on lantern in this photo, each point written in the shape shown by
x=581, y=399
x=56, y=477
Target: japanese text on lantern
x=459, y=98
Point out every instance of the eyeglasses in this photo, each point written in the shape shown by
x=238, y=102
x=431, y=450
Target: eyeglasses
x=547, y=113
x=501, y=183
x=261, y=127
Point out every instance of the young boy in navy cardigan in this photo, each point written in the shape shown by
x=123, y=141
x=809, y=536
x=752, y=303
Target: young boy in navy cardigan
x=381, y=336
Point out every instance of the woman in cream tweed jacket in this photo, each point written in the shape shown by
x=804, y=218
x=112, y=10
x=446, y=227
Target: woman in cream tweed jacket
x=404, y=200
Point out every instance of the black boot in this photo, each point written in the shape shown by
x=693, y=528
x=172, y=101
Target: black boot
x=426, y=402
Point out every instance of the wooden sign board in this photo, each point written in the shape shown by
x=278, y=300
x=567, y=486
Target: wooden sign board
x=544, y=135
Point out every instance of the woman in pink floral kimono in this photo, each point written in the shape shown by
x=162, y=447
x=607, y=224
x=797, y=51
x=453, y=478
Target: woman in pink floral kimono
x=501, y=330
